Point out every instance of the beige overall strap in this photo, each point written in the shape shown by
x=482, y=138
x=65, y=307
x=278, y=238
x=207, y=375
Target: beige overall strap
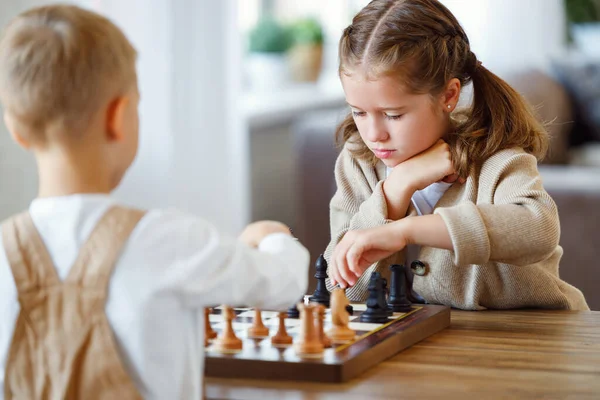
x=27, y=255
x=97, y=257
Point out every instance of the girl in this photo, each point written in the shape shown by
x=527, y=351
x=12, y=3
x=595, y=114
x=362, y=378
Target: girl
x=464, y=186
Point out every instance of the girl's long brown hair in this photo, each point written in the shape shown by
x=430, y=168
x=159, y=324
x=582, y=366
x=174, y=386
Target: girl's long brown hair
x=422, y=43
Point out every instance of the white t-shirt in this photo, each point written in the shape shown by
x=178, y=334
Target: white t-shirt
x=173, y=265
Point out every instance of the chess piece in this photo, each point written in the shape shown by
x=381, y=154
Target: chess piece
x=376, y=311
x=321, y=294
x=309, y=342
x=350, y=309
x=258, y=329
x=228, y=341
x=320, y=325
x=293, y=312
x=340, y=332
x=398, y=298
x=281, y=337
x=209, y=332
x=385, y=296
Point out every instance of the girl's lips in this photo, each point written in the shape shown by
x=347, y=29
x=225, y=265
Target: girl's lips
x=383, y=153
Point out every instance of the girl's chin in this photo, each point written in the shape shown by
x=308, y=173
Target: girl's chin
x=391, y=163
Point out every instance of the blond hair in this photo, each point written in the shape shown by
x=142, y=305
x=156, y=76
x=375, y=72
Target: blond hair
x=59, y=63
x=422, y=44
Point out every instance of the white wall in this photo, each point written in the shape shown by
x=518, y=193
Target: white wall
x=193, y=149
x=210, y=173
x=509, y=35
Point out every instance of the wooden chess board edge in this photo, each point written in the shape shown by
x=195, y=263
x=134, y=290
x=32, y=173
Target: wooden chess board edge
x=311, y=370
x=383, y=326
x=384, y=350
x=395, y=328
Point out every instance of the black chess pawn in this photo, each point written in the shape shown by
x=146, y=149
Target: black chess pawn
x=321, y=294
x=293, y=311
x=398, y=298
x=376, y=311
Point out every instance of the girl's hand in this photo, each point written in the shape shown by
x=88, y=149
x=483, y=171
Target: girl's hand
x=416, y=173
x=361, y=248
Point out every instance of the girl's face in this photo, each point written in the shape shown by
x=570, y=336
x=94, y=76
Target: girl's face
x=394, y=124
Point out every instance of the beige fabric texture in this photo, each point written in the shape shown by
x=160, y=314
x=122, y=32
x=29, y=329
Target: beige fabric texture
x=63, y=346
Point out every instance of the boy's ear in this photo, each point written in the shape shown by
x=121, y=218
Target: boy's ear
x=14, y=131
x=115, y=118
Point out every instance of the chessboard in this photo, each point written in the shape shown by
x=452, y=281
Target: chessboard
x=374, y=343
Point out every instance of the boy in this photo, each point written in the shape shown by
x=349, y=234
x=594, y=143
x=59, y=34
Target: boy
x=96, y=300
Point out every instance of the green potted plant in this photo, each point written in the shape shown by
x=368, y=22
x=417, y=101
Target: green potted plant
x=306, y=54
x=583, y=17
x=581, y=11
x=268, y=44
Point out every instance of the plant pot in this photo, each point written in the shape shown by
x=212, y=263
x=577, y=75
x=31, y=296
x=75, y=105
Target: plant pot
x=267, y=71
x=587, y=38
x=306, y=62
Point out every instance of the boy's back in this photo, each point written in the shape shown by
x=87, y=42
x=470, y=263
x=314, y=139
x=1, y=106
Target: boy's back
x=171, y=266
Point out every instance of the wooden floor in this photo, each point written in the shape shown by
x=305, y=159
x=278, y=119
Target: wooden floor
x=484, y=354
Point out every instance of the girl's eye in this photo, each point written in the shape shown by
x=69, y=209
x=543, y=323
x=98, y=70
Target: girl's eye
x=358, y=113
x=393, y=117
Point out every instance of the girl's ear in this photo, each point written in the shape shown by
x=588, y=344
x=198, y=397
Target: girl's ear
x=451, y=94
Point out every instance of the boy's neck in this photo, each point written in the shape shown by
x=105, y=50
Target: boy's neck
x=64, y=173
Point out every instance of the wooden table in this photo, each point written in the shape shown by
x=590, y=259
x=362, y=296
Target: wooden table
x=483, y=355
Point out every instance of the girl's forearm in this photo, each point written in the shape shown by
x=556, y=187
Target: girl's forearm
x=427, y=230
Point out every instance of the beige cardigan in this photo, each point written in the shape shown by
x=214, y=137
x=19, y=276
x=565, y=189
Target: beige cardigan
x=503, y=225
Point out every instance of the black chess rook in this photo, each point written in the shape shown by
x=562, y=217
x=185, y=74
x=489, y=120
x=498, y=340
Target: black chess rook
x=321, y=294
x=398, y=298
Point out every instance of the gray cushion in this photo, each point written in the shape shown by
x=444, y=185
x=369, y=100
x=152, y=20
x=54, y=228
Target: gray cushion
x=581, y=78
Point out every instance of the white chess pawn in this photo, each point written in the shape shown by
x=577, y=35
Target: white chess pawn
x=340, y=332
x=282, y=337
x=320, y=322
x=258, y=329
x=228, y=340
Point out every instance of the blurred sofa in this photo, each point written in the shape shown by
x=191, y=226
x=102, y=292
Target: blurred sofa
x=572, y=180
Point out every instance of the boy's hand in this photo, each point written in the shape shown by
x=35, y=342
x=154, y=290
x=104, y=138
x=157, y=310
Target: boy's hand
x=361, y=248
x=257, y=231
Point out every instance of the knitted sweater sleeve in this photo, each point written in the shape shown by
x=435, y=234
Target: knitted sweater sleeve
x=520, y=224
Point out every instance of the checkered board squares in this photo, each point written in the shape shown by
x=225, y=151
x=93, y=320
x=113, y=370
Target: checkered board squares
x=245, y=317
